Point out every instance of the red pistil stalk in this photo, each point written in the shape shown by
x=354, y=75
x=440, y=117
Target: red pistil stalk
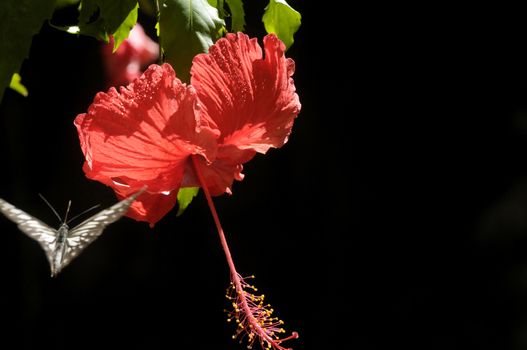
x=253, y=317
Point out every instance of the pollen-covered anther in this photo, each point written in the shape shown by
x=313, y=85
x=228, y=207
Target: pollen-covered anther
x=254, y=317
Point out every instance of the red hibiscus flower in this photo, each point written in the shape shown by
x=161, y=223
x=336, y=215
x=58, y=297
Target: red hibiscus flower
x=252, y=101
x=239, y=103
x=167, y=135
x=144, y=135
x=133, y=55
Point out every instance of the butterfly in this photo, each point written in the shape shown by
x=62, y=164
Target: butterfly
x=64, y=244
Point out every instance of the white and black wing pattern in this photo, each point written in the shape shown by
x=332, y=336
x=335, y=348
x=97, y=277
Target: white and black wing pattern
x=86, y=232
x=31, y=226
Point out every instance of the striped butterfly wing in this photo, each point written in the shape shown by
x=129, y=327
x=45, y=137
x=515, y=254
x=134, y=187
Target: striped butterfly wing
x=34, y=228
x=86, y=232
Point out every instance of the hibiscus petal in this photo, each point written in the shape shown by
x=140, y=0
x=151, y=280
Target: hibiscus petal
x=134, y=54
x=145, y=49
x=218, y=176
x=145, y=132
x=251, y=99
x=150, y=207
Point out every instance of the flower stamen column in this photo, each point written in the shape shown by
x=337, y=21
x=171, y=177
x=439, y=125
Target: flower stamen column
x=249, y=311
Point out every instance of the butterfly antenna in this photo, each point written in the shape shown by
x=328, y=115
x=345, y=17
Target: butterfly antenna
x=49, y=205
x=67, y=211
x=84, y=212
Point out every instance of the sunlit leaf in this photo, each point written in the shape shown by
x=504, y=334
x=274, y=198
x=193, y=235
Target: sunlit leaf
x=185, y=197
x=16, y=84
x=236, y=13
x=218, y=4
x=124, y=29
x=19, y=21
x=281, y=19
x=102, y=18
x=187, y=28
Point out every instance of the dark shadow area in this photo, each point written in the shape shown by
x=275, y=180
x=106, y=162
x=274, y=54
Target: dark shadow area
x=395, y=216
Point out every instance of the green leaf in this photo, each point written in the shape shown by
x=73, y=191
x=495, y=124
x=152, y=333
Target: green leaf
x=281, y=19
x=124, y=29
x=237, y=15
x=102, y=18
x=187, y=28
x=16, y=84
x=19, y=21
x=218, y=4
x=185, y=197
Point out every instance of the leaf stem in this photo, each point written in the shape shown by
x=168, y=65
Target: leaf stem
x=158, y=15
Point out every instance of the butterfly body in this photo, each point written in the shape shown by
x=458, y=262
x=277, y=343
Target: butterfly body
x=59, y=249
x=64, y=244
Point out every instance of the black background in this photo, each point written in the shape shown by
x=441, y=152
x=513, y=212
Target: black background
x=396, y=215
